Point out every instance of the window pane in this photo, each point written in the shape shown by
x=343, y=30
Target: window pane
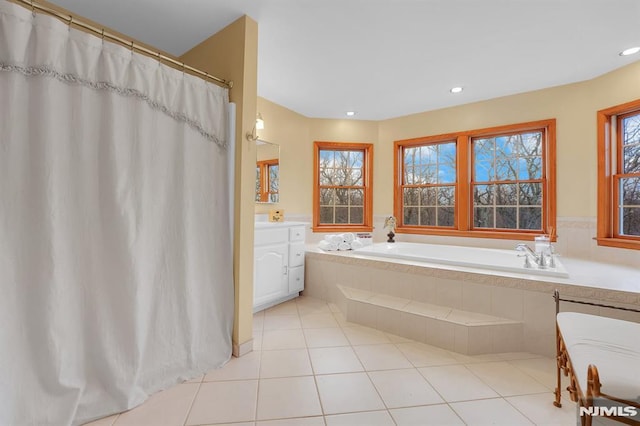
x=356, y=197
x=483, y=217
x=631, y=159
x=446, y=173
x=327, y=196
x=410, y=156
x=445, y=216
x=425, y=174
x=506, y=194
x=506, y=169
x=356, y=159
x=506, y=217
x=356, y=215
x=631, y=221
x=258, y=181
x=355, y=177
x=483, y=195
x=631, y=128
x=483, y=150
x=506, y=146
x=342, y=215
x=530, y=144
x=410, y=216
x=484, y=171
x=411, y=196
x=409, y=175
x=342, y=197
x=326, y=215
x=530, y=168
x=327, y=176
x=447, y=152
x=530, y=218
x=273, y=178
x=530, y=194
x=428, y=216
x=630, y=191
x=446, y=196
x=326, y=158
x=274, y=198
x=428, y=196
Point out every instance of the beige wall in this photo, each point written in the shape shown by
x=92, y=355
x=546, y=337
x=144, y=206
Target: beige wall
x=573, y=106
x=232, y=53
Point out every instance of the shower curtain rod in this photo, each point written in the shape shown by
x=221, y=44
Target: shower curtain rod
x=128, y=43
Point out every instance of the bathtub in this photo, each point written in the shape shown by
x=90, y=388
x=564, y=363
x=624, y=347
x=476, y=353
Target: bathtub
x=472, y=257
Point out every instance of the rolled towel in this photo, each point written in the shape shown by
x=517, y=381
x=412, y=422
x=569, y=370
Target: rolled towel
x=356, y=244
x=344, y=246
x=327, y=246
x=333, y=238
x=348, y=237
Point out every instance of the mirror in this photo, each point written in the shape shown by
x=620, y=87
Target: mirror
x=267, y=172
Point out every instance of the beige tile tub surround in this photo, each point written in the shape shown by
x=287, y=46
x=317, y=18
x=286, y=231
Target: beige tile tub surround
x=407, y=299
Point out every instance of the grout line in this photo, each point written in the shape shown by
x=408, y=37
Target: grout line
x=193, y=400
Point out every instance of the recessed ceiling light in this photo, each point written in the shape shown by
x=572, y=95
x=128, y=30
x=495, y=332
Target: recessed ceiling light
x=630, y=51
x=456, y=90
x=351, y=113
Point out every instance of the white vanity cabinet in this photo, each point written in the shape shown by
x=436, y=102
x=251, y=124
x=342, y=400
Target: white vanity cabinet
x=278, y=269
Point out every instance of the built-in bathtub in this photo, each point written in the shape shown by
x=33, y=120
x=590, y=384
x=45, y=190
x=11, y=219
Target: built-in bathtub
x=472, y=257
x=458, y=299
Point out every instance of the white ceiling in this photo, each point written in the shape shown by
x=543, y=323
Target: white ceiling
x=388, y=58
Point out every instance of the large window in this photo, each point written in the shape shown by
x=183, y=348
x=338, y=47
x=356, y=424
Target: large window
x=496, y=183
x=342, y=186
x=619, y=176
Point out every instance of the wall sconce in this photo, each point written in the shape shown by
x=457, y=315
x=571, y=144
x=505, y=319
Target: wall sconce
x=259, y=125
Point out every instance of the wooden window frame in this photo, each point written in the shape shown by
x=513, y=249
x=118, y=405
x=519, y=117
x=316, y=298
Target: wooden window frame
x=463, y=226
x=609, y=165
x=265, y=181
x=367, y=165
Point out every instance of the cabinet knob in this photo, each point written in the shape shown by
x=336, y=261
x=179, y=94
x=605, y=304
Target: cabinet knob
x=298, y=254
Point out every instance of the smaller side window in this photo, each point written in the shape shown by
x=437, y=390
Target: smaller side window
x=342, y=191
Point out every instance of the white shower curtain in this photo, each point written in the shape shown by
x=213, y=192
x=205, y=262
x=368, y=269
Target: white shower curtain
x=115, y=261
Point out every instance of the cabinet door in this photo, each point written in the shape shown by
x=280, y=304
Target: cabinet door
x=296, y=279
x=270, y=273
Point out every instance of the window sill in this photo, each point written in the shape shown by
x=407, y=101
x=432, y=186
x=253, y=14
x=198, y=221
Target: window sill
x=344, y=228
x=619, y=243
x=516, y=235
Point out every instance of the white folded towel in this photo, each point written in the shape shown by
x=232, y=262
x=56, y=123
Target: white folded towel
x=333, y=238
x=327, y=246
x=348, y=237
x=344, y=246
x=356, y=244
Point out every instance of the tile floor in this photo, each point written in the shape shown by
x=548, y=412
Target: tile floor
x=311, y=367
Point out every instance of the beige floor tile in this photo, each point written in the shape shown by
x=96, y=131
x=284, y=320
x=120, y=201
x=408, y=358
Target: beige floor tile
x=282, y=339
x=323, y=320
x=258, y=322
x=404, y=388
x=540, y=410
x=489, y=412
x=243, y=368
x=257, y=342
x=345, y=393
x=231, y=424
x=298, y=421
x=441, y=415
x=334, y=360
x=398, y=339
x=422, y=355
x=197, y=379
x=224, y=402
x=381, y=357
x=288, y=397
x=333, y=307
x=325, y=337
x=289, y=307
x=169, y=407
x=105, y=421
x=308, y=305
x=541, y=369
x=341, y=320
x=281, y=322
x=509, y=356
x=359, y=335
x=368, y=418
x=506, y=379
x=457, y=383
x=285, y=363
